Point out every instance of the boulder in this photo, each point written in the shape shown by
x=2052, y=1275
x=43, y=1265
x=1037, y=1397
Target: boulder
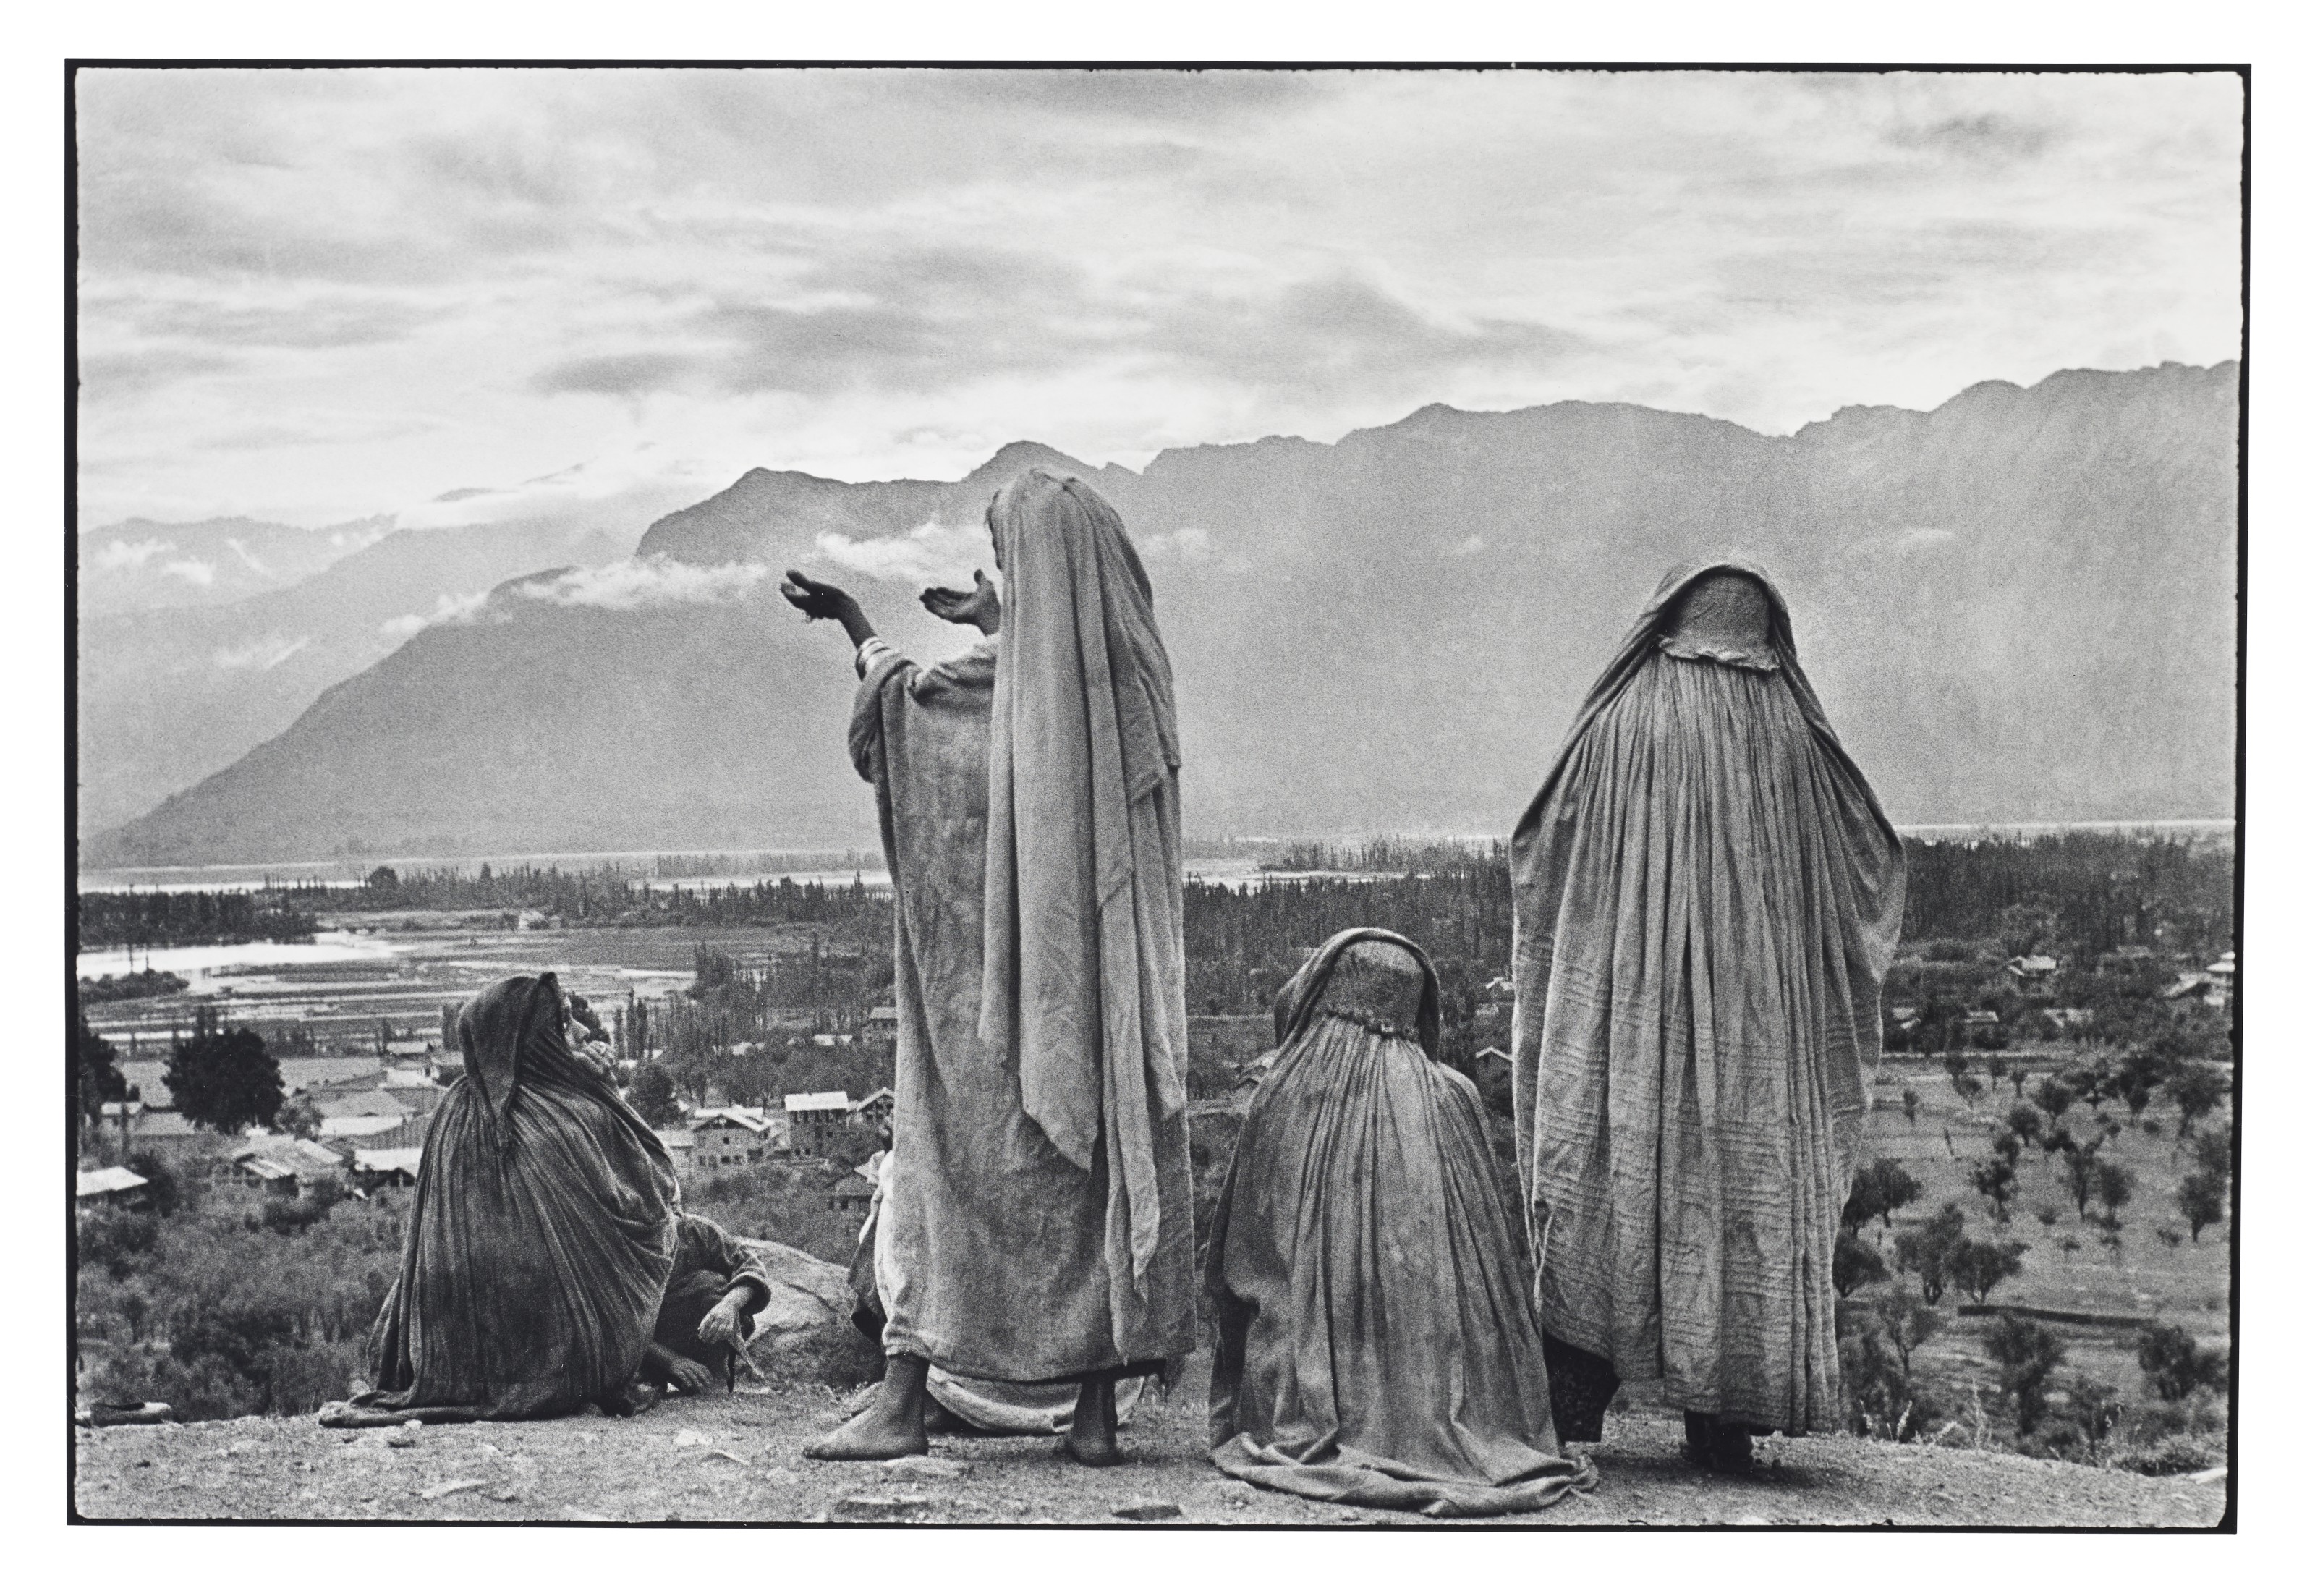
x=805, y=1331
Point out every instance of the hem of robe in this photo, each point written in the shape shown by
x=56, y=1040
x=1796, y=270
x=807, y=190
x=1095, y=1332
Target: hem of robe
x=1380, y=1483
x=902, y=1344
x=356, y=1413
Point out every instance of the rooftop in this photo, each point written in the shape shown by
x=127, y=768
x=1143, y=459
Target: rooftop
x=97, y=1182
x=816, y=1101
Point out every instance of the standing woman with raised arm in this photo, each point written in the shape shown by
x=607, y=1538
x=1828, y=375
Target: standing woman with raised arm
x=1706, y=895
x=1038, y=1199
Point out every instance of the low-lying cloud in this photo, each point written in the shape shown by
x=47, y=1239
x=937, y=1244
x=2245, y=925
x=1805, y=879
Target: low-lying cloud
x=646, y=584
x=932, y=555
x=262, y=654
x=120, y=554
x=449, y=609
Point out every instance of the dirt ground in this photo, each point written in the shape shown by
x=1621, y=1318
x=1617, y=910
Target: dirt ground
x=737, y=1458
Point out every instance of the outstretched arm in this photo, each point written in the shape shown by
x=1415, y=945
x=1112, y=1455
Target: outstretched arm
x=825, y=601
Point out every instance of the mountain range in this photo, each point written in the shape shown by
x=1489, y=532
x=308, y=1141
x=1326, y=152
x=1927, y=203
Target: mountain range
x=2017, y=606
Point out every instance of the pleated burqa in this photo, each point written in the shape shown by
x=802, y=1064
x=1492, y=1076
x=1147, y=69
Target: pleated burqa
x=1705, y=897
x=1377, y=1346
x=540, y=1237
x=1040, y=1198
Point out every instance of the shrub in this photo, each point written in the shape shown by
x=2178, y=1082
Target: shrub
x=114, y=1238
x=2027, y=1353
x=2174, y=1366
x=1854, y=1263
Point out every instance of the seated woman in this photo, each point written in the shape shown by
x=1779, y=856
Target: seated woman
x=540, y=1239
x=1376, y=1344
x=713, y=1294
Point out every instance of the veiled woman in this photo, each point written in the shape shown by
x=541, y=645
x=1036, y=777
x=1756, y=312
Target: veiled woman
x=1376, y=1344
x=539, y=1240
x=1705, y=897
x=1029, y=798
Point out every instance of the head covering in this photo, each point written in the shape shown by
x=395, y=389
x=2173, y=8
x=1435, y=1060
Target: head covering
x=1299, y=1002
x=508, y=1028
x=1661, y=615
x=1081, y=736
x=1725, y=615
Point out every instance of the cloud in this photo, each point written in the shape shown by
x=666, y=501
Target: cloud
x=646, y=584
x=120, y=554
x=638, y=372
x=449, y=608
x=932, y=555
x=200, y=573
x=1194, y=545
x=1987, y=135
x=262, y=654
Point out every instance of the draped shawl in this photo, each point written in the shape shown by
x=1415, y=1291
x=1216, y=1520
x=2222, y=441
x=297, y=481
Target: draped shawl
x=1009, y=1261
x=1376, y=1343
x=1706, y=897
x=540, y=1236
x=1082, y=977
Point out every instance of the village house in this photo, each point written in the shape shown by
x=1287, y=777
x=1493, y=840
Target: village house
x=813, y=1119
x=725, y=1138
x=385, y=1169
x=2030, y=974
x=1979, y=1026
x=110, y=1188
x=874, y=1109
x=850, y=1195
x=883, y=1024
x=275, y=1166
x=679, y=1146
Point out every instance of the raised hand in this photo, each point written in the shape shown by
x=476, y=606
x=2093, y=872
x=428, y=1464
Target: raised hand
x=819, y=600
x=980, y=607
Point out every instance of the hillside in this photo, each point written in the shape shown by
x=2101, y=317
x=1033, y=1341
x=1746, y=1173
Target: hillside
x=739, y=1458
x=2017, y=606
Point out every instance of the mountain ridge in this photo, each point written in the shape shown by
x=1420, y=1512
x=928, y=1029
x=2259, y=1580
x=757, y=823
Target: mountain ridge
x=2017, y=604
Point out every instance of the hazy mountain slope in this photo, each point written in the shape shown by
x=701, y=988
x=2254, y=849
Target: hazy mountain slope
x=140, y=564
x=2017, y=606
x=168, y=695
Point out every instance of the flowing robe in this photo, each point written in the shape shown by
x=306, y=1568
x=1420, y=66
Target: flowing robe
x=1014, y=1269
x=1705, y=898
x=1376, y=1344
x=540, y=1237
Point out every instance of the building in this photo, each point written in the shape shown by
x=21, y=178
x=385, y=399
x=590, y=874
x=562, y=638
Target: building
x=874, y=1109
x=110, y=1188
x=2071, y=1019
x=2030, y=974
x=729, y=1138
x=883, y=1024
x=370, y=1101
x=355, y=1130
x=850, y=1195
x=1980, y=1025
x=415, y=1051
x=2222, y=988
x=679, y=1146
x=379, y=1169
x=813, y=1119
x=351, y=1075
x=2195, y=985
x=275, y=1166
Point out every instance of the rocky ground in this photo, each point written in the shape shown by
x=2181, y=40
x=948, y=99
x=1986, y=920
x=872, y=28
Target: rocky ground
x=737, y=1458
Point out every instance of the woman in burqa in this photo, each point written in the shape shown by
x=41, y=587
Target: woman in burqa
x=540, y=1237
x=1037, y=1196
x=1706, y=897
x=1376, y=1344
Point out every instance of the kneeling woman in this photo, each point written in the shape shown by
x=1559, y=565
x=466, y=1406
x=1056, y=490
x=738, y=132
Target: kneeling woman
x=540, y=1237
x=1376, y=1344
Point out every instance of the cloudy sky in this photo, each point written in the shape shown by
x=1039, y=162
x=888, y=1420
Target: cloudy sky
x=317, y=296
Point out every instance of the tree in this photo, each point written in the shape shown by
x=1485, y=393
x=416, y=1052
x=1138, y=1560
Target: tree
x=2174, y=1366
x=301, y=1116
x=653, y=1094
x=2018, y=1078
x=1976, y=1267
x=2048, y=1215
x=224, y=1078
x=2026, y=1354
x=2116, y=1185
x=2202, y=1200
x=96, y=1079
x=1855, y=1263
x=1995, y=1179
x=2197, y=1090
x=161, y=1187
x=1922, y=1250
x=2026, y=1124
x=2053, y=1098
x=2093, y=1083
x=2082, y=1173
x=1913, y=1104
x=1877, y=1192
x=1965, y=1084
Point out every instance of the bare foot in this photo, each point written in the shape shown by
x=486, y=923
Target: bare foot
x=873, y=1436
x=1091, y=1438
x=892, y=1426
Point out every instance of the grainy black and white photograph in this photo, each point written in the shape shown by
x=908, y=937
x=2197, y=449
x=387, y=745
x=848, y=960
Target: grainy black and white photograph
x=1260, y=797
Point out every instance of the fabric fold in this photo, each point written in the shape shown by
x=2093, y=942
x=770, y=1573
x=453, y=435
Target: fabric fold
x=1706, y=897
